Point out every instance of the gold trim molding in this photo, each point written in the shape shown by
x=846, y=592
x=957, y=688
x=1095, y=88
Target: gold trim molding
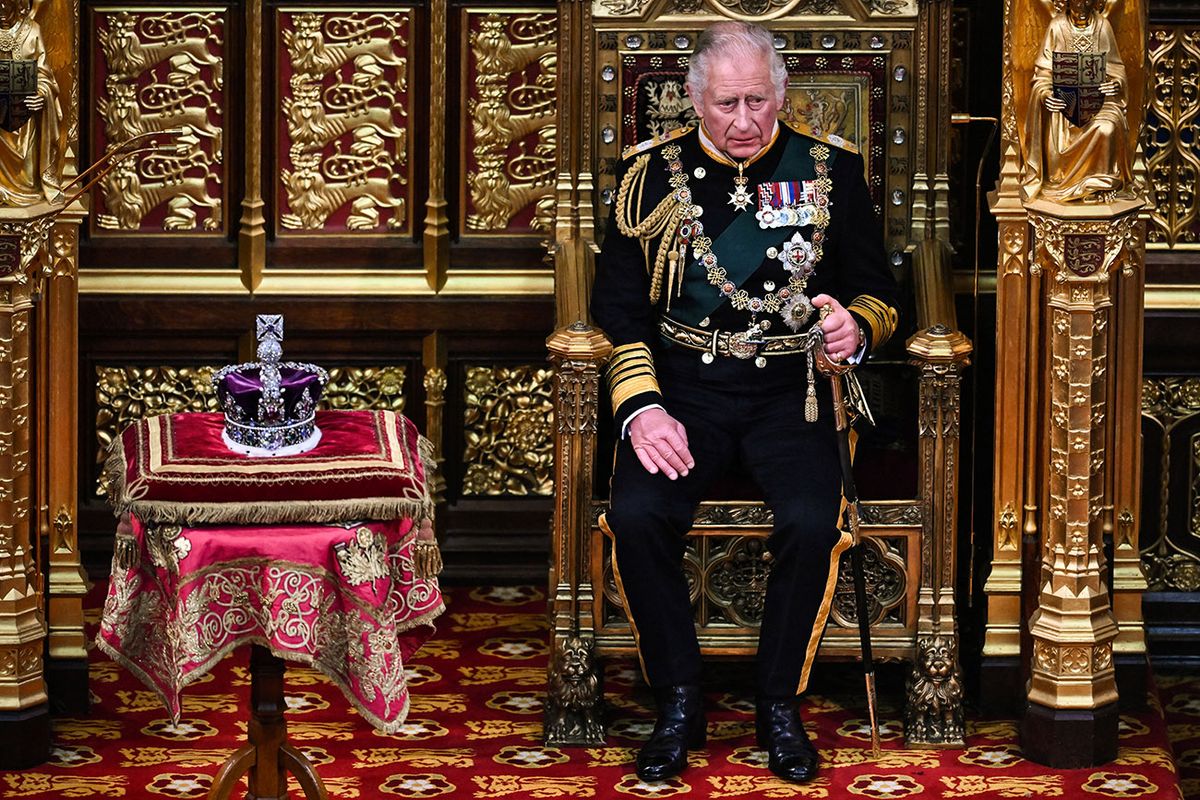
x=349, y=283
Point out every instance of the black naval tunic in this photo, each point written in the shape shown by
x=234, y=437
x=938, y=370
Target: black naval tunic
x=672, y=347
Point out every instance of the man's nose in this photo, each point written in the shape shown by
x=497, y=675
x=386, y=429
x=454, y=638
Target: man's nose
x=742, y=116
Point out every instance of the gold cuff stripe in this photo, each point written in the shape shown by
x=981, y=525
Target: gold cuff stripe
x=628, y=351
x=626, y=371
x=637, y=360
x=630, y=387
x=631, y=372
x=637, y=641
x=818, y=630
x=879, y=315
x=636, y=374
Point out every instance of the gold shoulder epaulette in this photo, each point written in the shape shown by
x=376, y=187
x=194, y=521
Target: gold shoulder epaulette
x=829, y=138
x=663, y=138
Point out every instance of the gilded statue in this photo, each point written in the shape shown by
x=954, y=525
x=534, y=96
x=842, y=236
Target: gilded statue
x=31, y=156
x=1077, y=145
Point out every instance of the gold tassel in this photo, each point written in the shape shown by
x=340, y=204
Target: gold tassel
x=672, y=265
x=125, y=552
x=427, y=559
x=810, y=400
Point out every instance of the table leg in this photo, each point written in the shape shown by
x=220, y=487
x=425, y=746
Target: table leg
x=268, y=757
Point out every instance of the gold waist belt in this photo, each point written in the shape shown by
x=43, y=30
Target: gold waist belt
x=745, y=344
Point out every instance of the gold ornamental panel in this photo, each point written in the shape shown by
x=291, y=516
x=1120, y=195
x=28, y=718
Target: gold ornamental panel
x=1168, y=139
x=1170, y=535
x=757, y=10
x=160, y=69
x=126, y=394
x=342, y=130
x=508, y=428
x=856, y=83
x=509, y=132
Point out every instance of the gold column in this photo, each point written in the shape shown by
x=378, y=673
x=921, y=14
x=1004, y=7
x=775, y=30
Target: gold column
x=1125, y=449
x=942, y=354
x=1017, y=378
x=24, y=722
x=574, y=698
x=437, y=223
x=58, y=412
x=1073, y=629
x=434, y=361
x=252, y=236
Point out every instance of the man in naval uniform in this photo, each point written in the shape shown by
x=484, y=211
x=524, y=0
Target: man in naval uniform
x=726, y=242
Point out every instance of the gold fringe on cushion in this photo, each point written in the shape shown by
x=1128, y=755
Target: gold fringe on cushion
x=273, y=513
x=128, y=499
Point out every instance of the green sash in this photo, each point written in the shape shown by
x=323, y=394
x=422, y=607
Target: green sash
x=742, y=246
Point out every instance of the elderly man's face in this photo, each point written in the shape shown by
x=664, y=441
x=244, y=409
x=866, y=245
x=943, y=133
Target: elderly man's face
x=739, y=105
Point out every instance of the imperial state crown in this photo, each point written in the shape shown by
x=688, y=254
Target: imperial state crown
x=270, y=405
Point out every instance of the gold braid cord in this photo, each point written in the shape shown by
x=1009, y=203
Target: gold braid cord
x=662, y=222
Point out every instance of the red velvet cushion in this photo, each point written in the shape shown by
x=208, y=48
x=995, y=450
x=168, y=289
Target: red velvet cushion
x=175, y=468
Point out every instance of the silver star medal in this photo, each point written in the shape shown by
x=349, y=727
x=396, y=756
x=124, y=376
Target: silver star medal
x=797, y=256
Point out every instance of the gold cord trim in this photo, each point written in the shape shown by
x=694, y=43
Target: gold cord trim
x=814, y=640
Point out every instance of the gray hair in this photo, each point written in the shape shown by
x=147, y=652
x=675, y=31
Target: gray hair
x=741, y=41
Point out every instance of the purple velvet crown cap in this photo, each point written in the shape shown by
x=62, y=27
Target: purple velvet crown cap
x=245, y=388
x=270, y=406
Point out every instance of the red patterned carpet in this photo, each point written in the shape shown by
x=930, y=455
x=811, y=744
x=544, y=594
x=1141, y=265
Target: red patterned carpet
x=475, y=725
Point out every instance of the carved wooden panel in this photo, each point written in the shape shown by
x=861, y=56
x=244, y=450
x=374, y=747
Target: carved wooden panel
x=155, y=69
x=345, y=111
x=1169, y=137
x=1170, y=534
x=509, y=431
x=508, y=130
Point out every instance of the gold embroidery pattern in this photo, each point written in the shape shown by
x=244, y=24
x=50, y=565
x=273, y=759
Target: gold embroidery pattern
x=362, y=558
x=167, y=642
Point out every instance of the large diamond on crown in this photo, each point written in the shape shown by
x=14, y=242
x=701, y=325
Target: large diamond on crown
x=270, y=405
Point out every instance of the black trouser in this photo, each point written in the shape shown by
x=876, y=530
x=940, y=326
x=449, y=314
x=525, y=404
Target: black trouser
x=794, y=463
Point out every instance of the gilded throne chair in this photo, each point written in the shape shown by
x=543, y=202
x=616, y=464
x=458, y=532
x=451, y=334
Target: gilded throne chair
x=854, y=83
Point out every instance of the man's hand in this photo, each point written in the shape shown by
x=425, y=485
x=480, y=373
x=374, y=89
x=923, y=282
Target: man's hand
x=35, y=102
x=1110, y=88
x=1053, y=103
x=841, y=331
x=660, y=443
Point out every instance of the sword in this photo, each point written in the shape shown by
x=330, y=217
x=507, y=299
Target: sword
x=835, y=370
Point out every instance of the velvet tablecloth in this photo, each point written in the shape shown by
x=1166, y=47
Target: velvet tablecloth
x=341, y=598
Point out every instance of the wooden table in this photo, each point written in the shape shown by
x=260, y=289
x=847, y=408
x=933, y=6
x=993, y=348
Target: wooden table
x=267, y=757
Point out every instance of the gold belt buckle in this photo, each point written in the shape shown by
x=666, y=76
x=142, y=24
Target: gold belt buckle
x=744, y=344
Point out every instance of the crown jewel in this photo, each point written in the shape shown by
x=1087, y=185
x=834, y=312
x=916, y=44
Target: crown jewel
x=270, y=405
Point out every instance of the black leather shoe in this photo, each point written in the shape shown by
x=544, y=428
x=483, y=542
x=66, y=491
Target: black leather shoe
x=681, y=726
x=790, y=754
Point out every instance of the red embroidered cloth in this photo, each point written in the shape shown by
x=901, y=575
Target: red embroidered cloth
x=344, y=600
x=175, y=468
